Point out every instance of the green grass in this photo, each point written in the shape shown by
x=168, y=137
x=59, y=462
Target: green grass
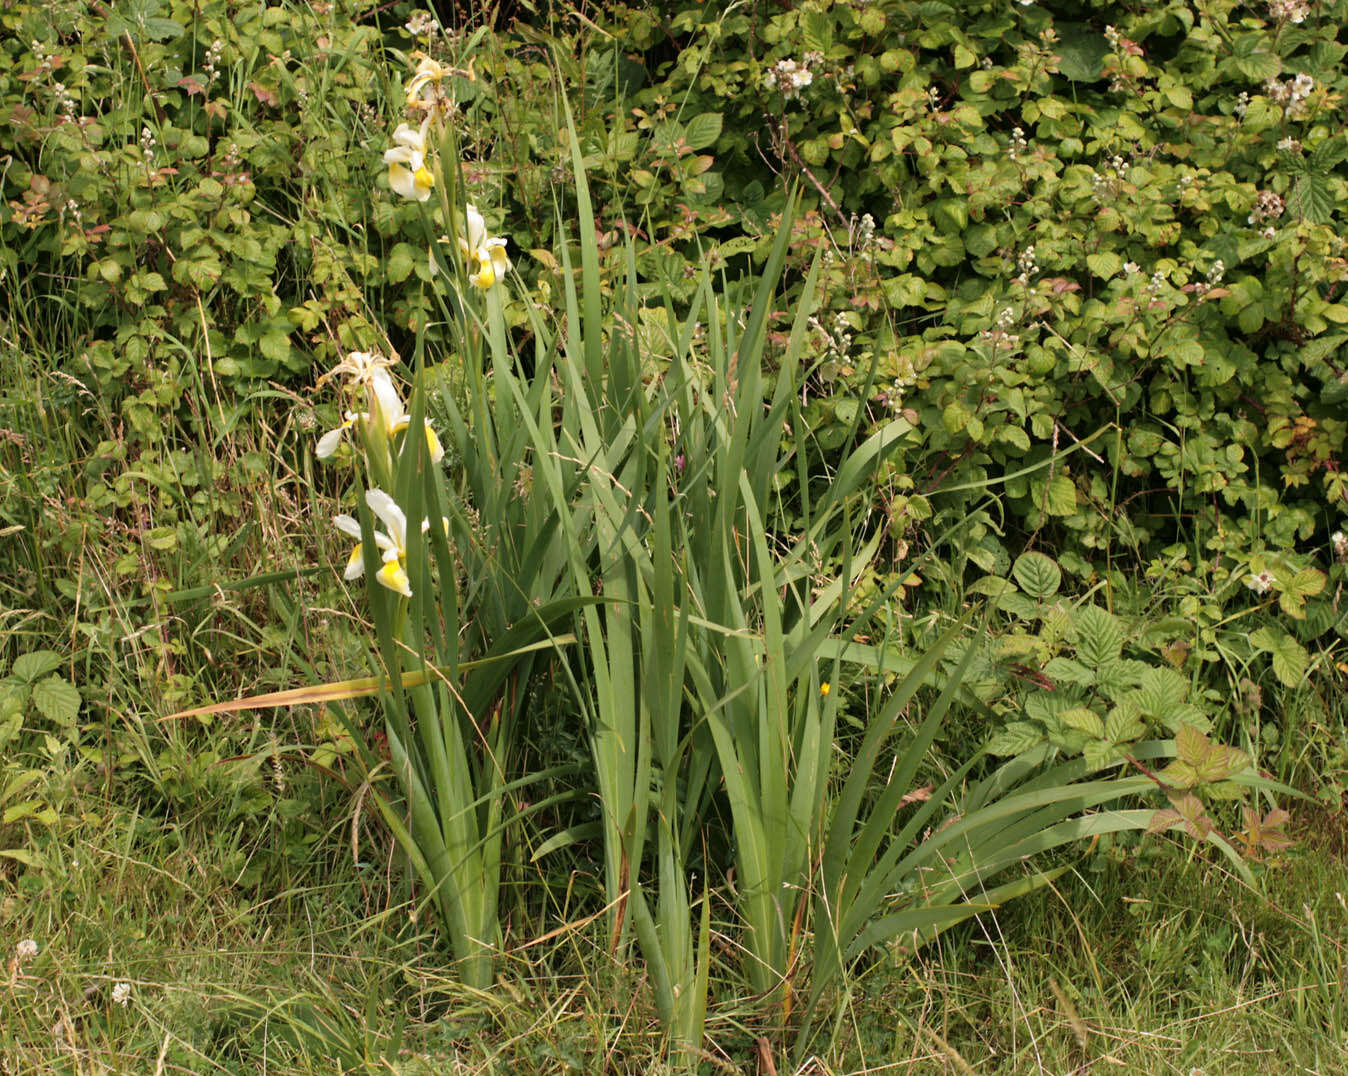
x=1157, y=964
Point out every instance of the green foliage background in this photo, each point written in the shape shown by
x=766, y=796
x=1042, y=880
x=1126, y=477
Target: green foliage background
x=1091, y=257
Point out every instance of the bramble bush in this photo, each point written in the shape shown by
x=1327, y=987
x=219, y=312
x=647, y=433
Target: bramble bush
x=1047, y=232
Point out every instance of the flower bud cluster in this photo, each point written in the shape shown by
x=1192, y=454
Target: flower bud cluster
x=211, y=63
x=1028, y=265
x=1214, y=277
x=1001, y=336
x=1340, y=543
x=837, y=340
x=788, y=77
x=65, y=100
x=1294, y=11
x=862, y=235
x=905, y=377
x=1267, y=206
x=422, y=24
x=1017, y=145
x=147, y=144
x=1292, y=96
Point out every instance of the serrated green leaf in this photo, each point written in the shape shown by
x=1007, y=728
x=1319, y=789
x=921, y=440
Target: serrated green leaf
x=1098, y=636
x=703, y=130
x=1290, y=659
x=1328, y=154
x=1256, y=66
x=57, y=700
x=817, y=29
x=1104, y=264
x=1294, y=591
x=1045, y=706
x=1081, y=52
x=1083, y=719
x=1060, y=496
x=399, y=263
x=1161, y=691
x=1312, y=199
x=1290, y=662
x=28, y=667
x=1065, y=670
x=1017, y=738
x=1099, y=753
x=1038, y=575
x=162, y=29
x=1123, y=725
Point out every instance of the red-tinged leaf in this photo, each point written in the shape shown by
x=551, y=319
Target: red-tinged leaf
x=1162, y=820
x=1186, y=812
x=192, y=86
x=264, y=95
x=1267, y=834
x=218, y=109
x=1191, y=744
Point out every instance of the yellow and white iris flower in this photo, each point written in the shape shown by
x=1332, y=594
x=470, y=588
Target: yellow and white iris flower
x=359, y=367
x=392, y=416
x=391, y=542
x=428, y=76
x=484, y=254
x=407, y=171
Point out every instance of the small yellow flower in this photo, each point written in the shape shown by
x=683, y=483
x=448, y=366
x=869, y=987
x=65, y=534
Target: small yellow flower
x=484, y=254
x=407, y=171
x=824, y=689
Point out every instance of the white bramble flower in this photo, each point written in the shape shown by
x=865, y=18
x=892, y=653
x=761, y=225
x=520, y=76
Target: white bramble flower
x=789, y=77
x=485, y=255
x=1288, y=10
x=422, y=24
x=1340, y=543
x=1261, y=583
x=1268, y=205
x=407, y=171
x=26, y=949
x=121, y=993
x=1292, y=96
